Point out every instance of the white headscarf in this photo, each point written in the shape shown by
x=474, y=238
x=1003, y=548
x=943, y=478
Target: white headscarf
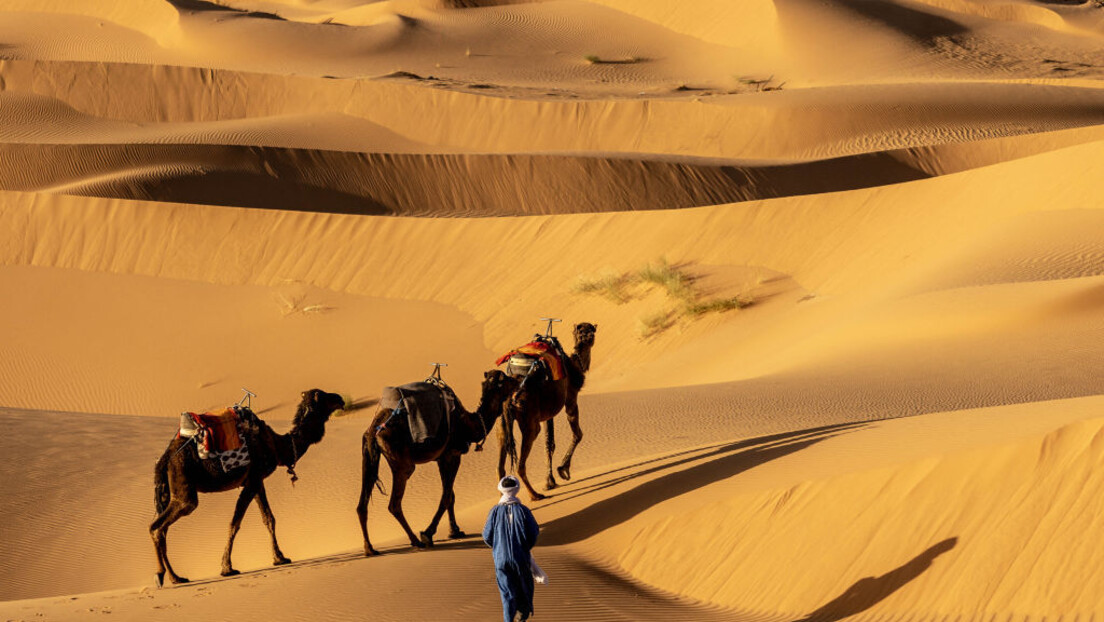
x=509, y=488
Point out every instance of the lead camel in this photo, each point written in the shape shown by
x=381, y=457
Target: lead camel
x=537, y=401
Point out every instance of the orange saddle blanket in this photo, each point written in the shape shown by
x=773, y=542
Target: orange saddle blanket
x=542, y=350
x=218, y=430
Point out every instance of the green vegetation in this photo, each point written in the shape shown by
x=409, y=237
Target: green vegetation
x=685, y=300
x=655, y=323
x=677, y=284
x=611, y=286
x=718, y=305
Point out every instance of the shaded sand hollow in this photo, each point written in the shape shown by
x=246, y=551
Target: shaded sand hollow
x=906, y=422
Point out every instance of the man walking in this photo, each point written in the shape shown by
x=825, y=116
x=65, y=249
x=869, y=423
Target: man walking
x=511, y=531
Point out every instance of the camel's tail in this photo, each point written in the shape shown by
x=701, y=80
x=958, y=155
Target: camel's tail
x=369, y=480
x=161, y=492
x=369, y=471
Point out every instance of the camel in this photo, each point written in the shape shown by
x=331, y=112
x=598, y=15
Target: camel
x=391, y=439
x=538, y=400
x=180, y=474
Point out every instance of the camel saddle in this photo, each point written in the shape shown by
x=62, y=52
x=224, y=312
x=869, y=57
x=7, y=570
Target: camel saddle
x=218, y=435
x=521, y=361
x=427, y=406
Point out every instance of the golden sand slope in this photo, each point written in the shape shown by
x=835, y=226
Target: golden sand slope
x=884, y=252
x=787, y=125
x=971, y=532
x=272, y=148
x=828, y=501
x=573, y=47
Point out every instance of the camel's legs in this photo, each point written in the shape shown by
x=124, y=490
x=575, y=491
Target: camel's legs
x=528, y=435
x=550, y=445
x=399, y=475
x=248, y=492
x=178, y=508
x=269, y=519
x=572, y=409
x=454, y=527
x=448, y=465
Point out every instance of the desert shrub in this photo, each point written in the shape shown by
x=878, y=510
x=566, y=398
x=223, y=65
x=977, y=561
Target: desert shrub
x=677, y=284
x=655, y=323
x=717, y=305
x=610, y=286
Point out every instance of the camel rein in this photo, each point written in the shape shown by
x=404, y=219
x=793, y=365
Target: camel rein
x=294, y=459
x=486, y=432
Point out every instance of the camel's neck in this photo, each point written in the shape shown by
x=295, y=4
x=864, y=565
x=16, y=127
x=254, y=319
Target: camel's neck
x=483, y=408
x=581, y=356
x=483, y=419
x=290, y=447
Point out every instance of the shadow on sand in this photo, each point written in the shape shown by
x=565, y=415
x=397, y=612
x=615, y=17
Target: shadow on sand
x=199, y=6
x=466, y=543
x=919, y=25
x=870, y=591
x=728, y=460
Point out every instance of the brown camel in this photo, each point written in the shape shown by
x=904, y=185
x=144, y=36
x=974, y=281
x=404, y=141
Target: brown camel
x=180, y=474
x=394, y=442
x=539, y=399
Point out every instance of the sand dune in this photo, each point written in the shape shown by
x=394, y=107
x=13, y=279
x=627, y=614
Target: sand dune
x=903, y=252
x=803, y=124
x=422, y=185
x=982, y=527
x=216, y=158
x=466, y=185
x=845, y=258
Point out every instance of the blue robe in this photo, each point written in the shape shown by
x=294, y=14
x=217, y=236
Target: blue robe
x=511, y=531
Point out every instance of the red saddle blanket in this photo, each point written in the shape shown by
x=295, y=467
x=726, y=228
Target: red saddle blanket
x=539, y=349
x=220, y=430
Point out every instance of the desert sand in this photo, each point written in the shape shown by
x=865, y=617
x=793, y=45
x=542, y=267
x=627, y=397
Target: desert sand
x=863, y=379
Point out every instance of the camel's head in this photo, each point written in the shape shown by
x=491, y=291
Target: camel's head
x=315, y=410
x=584, y=334
x=497, y=388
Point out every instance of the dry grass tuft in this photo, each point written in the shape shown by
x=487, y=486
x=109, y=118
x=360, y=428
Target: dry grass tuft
x=677, y=286
x=655, y=323
x=717, y=305
x=611, y=286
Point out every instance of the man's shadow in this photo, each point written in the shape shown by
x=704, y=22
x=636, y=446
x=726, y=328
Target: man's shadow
x=870, y=591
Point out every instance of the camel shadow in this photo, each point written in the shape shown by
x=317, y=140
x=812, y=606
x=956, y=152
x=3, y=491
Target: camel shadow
x=694, y=455
x=729, y=460
x=870, y=591
x=466, y=543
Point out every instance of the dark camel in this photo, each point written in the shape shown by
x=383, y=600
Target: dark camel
x=393, y=441
x=538, y=400
x=180, y=475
